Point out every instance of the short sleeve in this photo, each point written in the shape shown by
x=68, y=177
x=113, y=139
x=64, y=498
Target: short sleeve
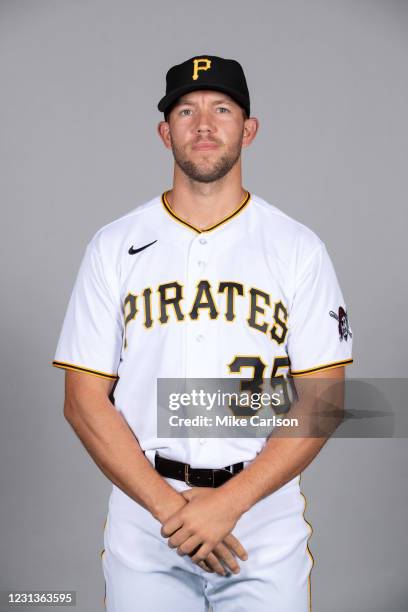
x=92, y=331
x=320, y=336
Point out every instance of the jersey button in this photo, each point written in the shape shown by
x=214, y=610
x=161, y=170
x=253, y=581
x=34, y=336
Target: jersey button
x=203, y=241
x=202, y=441
x=202, y=264
x=200, y=338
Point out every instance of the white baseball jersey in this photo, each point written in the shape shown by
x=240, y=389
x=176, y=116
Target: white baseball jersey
x=156, y=297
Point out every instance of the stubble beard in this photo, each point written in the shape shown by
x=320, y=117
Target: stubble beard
x=219, y=169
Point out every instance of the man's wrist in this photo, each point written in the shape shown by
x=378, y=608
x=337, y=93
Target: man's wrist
x=167, y=505
x=241, y=495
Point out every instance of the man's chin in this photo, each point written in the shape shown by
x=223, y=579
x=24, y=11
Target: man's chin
x=202, y=173
x=203, y=178
x=206, y=170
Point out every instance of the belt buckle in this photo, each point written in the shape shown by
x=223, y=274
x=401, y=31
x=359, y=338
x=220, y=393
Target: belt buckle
x=186, y=475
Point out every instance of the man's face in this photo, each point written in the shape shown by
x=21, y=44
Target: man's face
x=206, y=130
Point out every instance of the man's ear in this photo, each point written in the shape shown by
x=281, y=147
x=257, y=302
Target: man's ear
x=163, y=130
x=251, y=127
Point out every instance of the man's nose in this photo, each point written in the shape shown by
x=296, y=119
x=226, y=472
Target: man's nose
x=204, y=122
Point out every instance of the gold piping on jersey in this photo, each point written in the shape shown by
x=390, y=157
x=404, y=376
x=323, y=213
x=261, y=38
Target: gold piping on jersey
x=104, y=553
x=72, y=366
x=307, y=547
x=208, y=229
x=327, y=366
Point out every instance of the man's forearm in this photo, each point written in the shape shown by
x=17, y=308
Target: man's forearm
x=114, y=448
x=287, y=452
x=280, y=460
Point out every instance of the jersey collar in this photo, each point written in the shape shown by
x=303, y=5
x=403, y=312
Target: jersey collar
x=234, y=213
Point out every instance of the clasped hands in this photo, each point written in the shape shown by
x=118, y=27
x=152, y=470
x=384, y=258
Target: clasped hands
x=202, y=527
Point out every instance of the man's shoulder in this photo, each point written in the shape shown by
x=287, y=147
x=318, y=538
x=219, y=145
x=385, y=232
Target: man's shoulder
x=118, y=230
x=282, y=227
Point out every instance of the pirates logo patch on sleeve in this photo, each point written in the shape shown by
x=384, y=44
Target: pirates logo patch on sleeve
x=343, y=324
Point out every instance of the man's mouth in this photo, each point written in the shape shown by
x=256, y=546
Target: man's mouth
x=205, y=145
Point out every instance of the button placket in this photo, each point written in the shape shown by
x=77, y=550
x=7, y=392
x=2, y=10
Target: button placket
x=200, y=337
x=202, y=263
x=195, y=330
x=196, y=342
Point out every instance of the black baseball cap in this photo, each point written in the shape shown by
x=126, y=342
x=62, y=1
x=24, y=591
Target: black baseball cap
x=206, y=72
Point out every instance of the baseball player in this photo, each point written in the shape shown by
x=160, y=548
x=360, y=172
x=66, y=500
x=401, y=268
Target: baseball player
x=204, y=281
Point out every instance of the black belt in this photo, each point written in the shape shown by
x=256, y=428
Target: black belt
x=195, y=477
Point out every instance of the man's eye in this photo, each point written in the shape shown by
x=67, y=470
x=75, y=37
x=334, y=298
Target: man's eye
x=184, y=111
x=223, y=108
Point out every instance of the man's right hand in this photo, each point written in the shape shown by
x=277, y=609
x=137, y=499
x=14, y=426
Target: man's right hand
x=223, y=553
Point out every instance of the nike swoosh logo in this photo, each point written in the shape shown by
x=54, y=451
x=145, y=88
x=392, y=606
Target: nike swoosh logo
x=133, y=251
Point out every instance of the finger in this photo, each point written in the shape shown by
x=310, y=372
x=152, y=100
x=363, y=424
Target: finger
x=225, y=555
x=214, y=564
x=235, y=545
x=178, y=538
x=190, y=546
x=202, y=553
x=195, y=549
x=205, y=567
x=171, y=525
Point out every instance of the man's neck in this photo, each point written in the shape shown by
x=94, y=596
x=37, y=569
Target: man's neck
x=205, y=204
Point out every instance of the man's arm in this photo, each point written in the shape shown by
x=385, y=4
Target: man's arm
x=115, y=449
x=282, y=458
x=113, y=446
x=284, y=455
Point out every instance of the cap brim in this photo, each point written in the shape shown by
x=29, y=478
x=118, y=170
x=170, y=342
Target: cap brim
x=169, y=99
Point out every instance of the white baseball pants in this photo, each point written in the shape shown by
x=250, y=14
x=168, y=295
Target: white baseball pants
x=142, y=574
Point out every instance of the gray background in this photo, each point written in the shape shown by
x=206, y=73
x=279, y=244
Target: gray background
x=80, y=81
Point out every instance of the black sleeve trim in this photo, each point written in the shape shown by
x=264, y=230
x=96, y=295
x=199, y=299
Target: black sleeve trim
x=72, y=366
x=326, y=366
